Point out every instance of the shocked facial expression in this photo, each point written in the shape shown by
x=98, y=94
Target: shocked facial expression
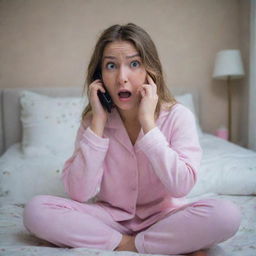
x=123, y=73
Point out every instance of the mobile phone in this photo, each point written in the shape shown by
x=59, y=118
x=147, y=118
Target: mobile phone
x=105, y=98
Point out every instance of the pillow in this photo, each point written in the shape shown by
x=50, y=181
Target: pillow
x=187, y=101
x=49, y=124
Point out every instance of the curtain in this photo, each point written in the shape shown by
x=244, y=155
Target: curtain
x=252, y=80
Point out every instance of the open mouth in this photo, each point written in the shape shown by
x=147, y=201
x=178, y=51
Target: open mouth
x=124, y=94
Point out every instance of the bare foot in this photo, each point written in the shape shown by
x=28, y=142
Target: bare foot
x=127, y=244
x=198, y=253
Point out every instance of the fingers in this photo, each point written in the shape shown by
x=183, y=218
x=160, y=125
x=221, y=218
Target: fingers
x=149, y=89
x=152, y=83
x=95, y=86
x=142, y=91
x=146, y=90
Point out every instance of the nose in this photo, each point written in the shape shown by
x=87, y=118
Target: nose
x=122, y=75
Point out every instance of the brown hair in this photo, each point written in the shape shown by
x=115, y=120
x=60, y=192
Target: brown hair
x=148, y=53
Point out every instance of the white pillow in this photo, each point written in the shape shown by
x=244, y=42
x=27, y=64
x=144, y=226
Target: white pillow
x=49, y=124
x=187, y=101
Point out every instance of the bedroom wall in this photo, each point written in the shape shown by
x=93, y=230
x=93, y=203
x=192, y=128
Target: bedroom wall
x=47, y=43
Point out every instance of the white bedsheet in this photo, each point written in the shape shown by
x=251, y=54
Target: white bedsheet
x=22, y=177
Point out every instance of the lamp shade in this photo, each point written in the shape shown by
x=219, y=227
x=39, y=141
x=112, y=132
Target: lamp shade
x=228, y=63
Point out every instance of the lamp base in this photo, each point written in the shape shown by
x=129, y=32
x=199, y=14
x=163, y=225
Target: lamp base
x=229, y=108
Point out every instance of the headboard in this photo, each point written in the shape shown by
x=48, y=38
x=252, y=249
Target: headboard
x=10, y=109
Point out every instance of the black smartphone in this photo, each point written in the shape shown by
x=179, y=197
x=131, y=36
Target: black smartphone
x=105, y=98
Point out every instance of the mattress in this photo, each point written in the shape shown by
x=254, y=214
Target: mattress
x=228, y=171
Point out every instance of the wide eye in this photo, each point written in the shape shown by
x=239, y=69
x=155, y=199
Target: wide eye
x=135, y=64
x=110, y=65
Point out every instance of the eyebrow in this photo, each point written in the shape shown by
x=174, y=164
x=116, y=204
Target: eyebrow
x=127, y=57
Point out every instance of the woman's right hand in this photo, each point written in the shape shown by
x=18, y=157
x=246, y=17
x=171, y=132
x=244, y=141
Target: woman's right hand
x=99, y=114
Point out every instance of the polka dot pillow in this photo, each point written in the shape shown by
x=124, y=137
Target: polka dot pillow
x=49, y=124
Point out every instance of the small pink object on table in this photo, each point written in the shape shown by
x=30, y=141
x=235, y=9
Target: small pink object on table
x=222, y=133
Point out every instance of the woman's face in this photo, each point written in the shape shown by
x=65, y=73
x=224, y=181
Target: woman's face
x=123, y=73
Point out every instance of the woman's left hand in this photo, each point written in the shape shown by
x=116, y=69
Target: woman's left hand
x=148, y=104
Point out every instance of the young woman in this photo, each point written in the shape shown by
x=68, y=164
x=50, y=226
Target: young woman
x=138, y=163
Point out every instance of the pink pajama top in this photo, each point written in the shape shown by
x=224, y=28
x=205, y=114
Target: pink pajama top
x=145, y=180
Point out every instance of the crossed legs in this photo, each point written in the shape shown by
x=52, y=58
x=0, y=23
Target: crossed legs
x=67, y=223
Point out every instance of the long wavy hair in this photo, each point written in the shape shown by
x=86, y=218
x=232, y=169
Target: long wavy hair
x=148, y=53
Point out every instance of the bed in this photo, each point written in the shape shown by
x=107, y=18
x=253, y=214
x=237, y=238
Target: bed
x=32, y=164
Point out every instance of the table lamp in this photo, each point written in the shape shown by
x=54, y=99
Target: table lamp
x=228, y=65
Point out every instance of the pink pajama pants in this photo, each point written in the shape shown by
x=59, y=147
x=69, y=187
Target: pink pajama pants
x=67, y=223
